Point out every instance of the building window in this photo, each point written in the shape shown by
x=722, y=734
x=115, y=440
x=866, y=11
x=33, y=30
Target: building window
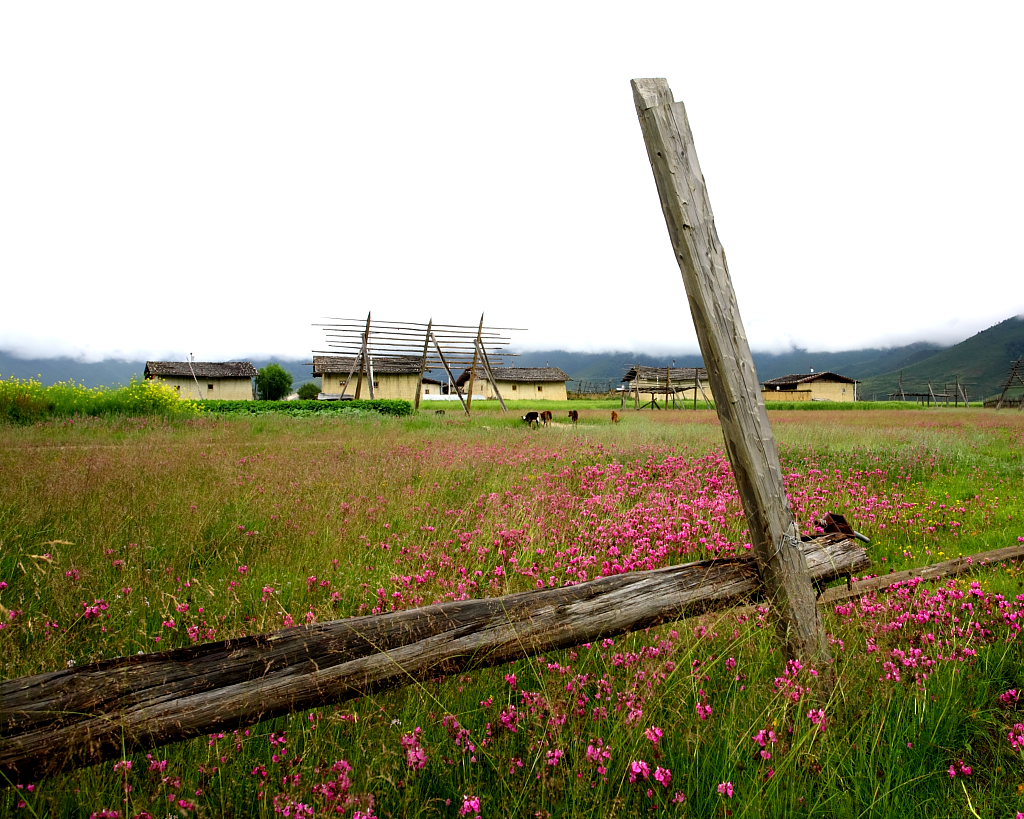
x=513, y=388
x=209, y=387
x=540, y=388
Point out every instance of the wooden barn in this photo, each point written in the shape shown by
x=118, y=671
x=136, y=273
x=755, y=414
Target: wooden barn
x=667, y=386
x=201, y=380
x=519, y=383
x=393, y=377
x=824, y=386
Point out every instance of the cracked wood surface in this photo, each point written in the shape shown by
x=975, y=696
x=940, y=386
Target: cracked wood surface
x=79, y=716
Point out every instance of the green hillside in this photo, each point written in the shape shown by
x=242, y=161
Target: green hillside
x=982, y=363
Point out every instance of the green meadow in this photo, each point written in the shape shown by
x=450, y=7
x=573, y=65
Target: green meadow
x=164, y=526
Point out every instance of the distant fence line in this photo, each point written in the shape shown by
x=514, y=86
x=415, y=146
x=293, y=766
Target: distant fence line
x=598, y=386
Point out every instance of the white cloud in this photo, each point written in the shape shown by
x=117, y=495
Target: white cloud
x=215, y=178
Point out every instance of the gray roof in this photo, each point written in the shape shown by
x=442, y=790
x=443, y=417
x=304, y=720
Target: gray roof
x=520, y=374
x=788, y=380
x=199, y=369
x=383, y=365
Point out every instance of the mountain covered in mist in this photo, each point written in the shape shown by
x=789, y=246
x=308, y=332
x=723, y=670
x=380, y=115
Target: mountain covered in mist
x=981, y=363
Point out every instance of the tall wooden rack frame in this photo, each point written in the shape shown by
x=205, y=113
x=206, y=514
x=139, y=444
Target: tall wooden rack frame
x=476, y=348
x=1014, y=379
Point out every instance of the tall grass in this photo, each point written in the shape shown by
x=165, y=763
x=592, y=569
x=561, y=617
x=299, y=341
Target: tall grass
x=123, y=535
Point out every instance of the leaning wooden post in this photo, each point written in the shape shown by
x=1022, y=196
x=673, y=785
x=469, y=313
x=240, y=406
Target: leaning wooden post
x=486, y=361
x=447, y=369
x=423, y=364
x=362, y=358
x=472, y=369
x=723, y=343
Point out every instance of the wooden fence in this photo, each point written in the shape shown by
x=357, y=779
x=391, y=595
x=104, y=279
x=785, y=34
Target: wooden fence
x=79, y=716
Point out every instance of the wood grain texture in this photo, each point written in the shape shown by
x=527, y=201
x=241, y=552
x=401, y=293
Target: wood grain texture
x=748, y=436
x=936, y=571
x=58, y=720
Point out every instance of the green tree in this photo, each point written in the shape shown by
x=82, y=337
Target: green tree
x=309, y=391
x=273, y=382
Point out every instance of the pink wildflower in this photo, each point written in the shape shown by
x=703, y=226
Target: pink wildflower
x=726, y=789
x=638, y=769
x=470, y=804
x=415, y=756
x=663, y=776
x=1016, y=735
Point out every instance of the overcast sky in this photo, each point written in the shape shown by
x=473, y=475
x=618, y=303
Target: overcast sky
x=216, y=177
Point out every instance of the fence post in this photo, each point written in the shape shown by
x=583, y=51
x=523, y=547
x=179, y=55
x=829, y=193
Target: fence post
x=748, y=435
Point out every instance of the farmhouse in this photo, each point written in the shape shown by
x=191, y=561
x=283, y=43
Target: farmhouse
x=672, y=384
x=431, y=386
x=200, y=380
x=824, y=386
x=520, y=383
x=393, y=377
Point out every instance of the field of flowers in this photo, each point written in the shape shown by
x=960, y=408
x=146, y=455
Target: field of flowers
x=27, y=400
x=125, y=535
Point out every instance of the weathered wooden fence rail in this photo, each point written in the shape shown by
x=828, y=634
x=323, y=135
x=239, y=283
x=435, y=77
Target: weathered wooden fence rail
x=947, y=568
x=79, y=716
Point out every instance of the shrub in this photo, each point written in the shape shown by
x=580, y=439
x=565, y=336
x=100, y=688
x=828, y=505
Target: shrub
x=273, y=382
x=309, y=391
x=382, y=406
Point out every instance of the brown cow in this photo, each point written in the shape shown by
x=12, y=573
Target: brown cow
x=545, y=417
x=574, y=416
x=615, y=417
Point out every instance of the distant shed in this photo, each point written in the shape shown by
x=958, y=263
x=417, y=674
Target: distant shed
x=673, y=384
x=201, y=380
x=520, y=383
x=824, y=386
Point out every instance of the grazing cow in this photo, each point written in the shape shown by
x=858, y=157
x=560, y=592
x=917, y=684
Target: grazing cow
x=438, y=412
x=545, y=417
x=615, y=417
x=532, y=419
x=574, y=416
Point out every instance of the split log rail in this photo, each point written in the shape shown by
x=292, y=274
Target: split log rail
x=78, y=716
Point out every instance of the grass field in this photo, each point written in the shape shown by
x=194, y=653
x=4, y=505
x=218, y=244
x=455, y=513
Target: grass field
x=124, y=535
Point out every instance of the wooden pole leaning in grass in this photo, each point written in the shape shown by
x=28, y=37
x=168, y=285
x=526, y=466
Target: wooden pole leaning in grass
x=486, y=361
x=91, y=713
x=748, y=435
x=451, y=376
x=363, y=352
x=423, y=364
x=472, y=367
